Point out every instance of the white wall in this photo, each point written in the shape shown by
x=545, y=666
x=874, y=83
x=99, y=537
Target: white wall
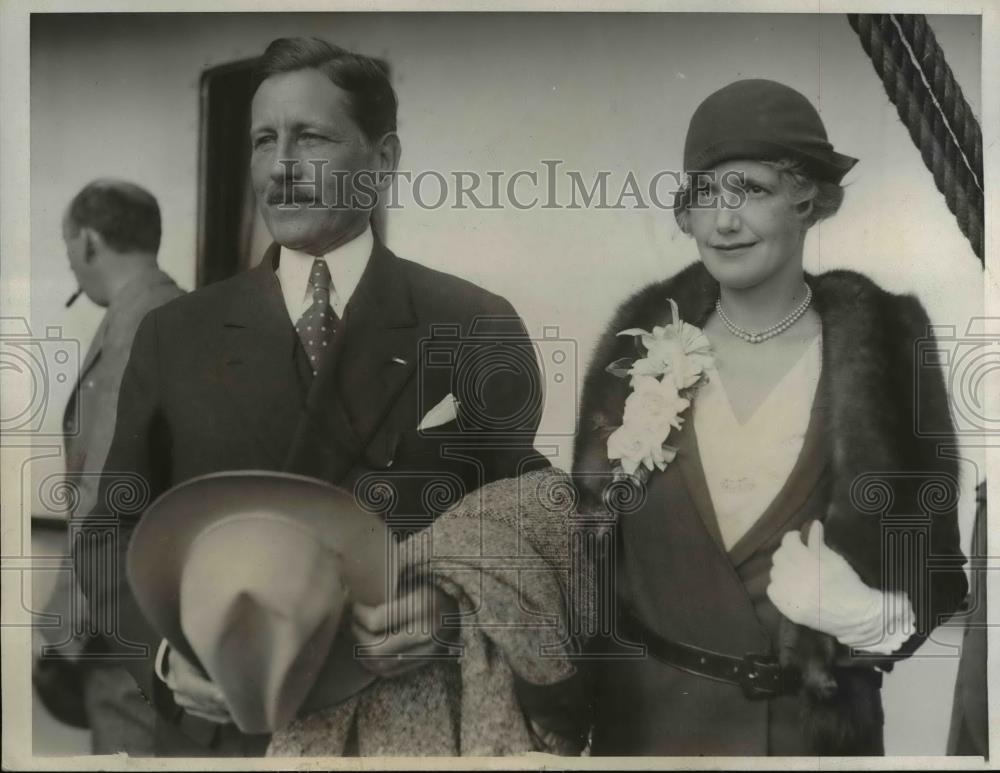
x=118, y=95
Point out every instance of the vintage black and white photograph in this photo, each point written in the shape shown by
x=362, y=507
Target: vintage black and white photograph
x=573, y=387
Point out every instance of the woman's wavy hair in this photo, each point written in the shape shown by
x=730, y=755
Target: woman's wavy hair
x=821, y=198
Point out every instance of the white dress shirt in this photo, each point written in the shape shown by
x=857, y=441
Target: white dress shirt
x=346, y=263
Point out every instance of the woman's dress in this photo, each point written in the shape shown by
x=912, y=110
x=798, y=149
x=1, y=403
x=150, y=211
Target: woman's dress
x=694, y=566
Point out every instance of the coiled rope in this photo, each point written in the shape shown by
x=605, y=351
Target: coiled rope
x=919, y=82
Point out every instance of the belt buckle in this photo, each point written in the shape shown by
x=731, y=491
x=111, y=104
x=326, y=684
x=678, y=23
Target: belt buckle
x=760, y=676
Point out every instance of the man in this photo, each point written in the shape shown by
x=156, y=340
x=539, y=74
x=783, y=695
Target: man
x=324, y=360
x=112, y=235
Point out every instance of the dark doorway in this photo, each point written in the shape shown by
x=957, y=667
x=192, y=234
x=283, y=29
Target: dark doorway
x=224, y=168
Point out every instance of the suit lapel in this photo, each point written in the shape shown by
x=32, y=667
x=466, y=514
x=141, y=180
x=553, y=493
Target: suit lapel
x=696, y=301
x=383, y=340
x=258, y=361
x=70, y=417
x=689, y=459
x=96, y=344
x=374, y=355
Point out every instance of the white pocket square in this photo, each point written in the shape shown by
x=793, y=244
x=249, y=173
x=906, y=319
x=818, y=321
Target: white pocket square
x=442, y=413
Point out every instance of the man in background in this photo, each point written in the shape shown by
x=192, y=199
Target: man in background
x=112, y=235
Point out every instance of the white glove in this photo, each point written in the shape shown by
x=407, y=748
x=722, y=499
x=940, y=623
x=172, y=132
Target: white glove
x=814, y=586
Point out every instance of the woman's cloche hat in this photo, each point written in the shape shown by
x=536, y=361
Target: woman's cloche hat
x=761, y=119
x=248, y=575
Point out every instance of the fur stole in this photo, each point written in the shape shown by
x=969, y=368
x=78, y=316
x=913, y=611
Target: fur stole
x=894, y=495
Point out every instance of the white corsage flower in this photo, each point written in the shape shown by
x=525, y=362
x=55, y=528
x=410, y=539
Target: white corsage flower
x=632, y=448
x=636, y=448
x=675, y=361
x=654, y=403
x=678, y=349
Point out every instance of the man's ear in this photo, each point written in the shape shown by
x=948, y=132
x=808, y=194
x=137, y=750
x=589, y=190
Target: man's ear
x=387, y=153
x=92, y=243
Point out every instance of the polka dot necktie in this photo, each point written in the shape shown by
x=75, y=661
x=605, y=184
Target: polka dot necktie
x=317, y=325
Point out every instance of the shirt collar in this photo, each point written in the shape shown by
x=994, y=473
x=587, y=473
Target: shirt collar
x=346, y=263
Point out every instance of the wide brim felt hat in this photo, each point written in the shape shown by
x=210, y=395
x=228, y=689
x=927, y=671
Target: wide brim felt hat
x=248, y=575
x=762, y=119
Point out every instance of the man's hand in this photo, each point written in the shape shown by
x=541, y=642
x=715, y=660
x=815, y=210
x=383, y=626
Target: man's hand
x=406, y=632
x=193, y=692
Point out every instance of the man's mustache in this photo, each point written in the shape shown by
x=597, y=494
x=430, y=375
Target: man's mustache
x=301, y=193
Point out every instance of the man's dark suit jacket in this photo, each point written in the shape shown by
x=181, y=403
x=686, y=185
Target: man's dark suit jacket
x=217, y=380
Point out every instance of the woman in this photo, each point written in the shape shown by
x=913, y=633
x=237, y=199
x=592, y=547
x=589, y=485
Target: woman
x=765, y=633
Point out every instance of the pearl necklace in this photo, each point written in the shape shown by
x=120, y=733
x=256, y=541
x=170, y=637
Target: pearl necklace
x=771, y=332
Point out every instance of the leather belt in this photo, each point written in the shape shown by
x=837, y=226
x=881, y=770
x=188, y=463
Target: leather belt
x=760, y=676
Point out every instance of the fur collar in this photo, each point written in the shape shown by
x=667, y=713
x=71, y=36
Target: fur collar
x=870, y=381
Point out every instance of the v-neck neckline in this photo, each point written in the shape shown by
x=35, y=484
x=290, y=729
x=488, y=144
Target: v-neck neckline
x=775, y=388
x=805, y=473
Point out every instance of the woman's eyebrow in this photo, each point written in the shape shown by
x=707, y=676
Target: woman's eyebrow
x=751, y=178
